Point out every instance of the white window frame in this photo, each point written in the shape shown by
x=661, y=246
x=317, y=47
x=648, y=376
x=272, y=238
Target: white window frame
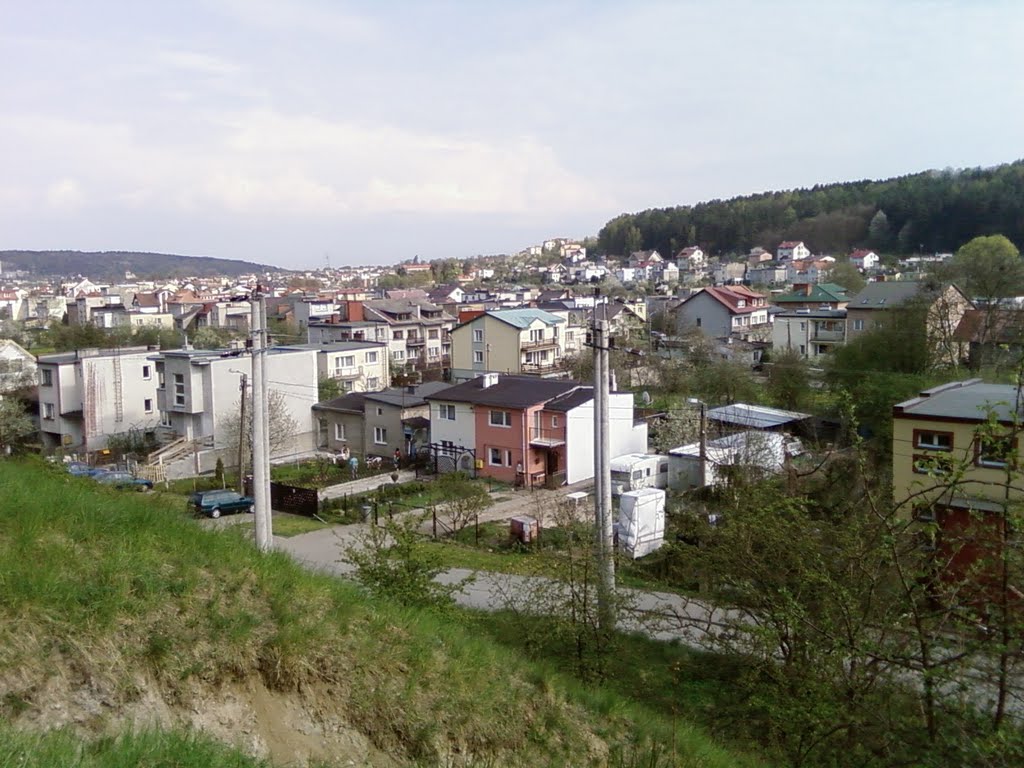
x=505, y=420
x=371, y=357
x=380, y=411
x=147, y=372
x=858, y=325
x=179, y=389
x=48, y=411
x=380, y=436
x=47, y=377
x=446, y=411
x=147, y=405
x=478, y=356
x=478, y=334
x=554, y=422
x=372, y=384
x=339, y=432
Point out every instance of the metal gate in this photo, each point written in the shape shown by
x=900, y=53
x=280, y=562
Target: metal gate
x=451, y=458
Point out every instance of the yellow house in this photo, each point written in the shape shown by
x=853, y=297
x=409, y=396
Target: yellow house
x=954, y=444
x=514, y=341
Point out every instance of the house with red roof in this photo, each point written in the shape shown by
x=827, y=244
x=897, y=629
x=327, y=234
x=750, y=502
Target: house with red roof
x=864, y=259
x=727, y=310
x=793, y=250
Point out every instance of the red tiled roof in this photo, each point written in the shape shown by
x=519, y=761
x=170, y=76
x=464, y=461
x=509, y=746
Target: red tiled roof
x=860, y=253
x=730, y=297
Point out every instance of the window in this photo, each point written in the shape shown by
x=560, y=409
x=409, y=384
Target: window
x=380, y=436
x=47, y=377
x=433, y=352
x=398, y=354
x=372, y=384
x=147, y=372
x=554, y=422
x=147, y=405
x=380, y=411
x=165, y=419
x=803, y=326
x=478, y=356
x=398, y=335
x=698, y=322
x=432, y=333
x=995, y=451
x=858, y=325
x=339, y=431
x=371, y=357
x=494, y=457
x=537, y=334
x=933, y=441
x=447, y=412
x=48, y=411
x=179, y=389
x=935, y=465
x=501, y=418
x=478, y=334
x=348, y=361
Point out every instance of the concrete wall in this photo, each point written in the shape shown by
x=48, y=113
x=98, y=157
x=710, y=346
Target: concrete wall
x=624, y=436
x=461, y=432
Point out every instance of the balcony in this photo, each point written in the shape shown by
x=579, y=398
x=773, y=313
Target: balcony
x=347, y=374
x=550, y=343
x=827, y=336
x=415, y=341
x=541, y=369
x=544, y=437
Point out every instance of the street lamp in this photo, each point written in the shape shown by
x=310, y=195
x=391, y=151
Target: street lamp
x=703, y=439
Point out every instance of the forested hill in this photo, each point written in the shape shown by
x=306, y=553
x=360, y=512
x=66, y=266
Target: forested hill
x=934, y=211
x=102, y=265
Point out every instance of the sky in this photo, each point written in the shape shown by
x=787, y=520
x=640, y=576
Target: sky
x=297, y=132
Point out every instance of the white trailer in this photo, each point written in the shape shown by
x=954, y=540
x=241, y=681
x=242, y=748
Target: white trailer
x=633, y=471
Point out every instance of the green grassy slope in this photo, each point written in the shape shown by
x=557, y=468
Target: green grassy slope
x=120, y=596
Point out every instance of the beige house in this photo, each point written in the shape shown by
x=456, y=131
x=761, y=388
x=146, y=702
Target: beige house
x=955, y=464
x=514, y=341
x=944, y=308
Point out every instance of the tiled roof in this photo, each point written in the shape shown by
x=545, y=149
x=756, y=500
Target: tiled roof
x=730, y=296
x=510, y=391
x=525, y=317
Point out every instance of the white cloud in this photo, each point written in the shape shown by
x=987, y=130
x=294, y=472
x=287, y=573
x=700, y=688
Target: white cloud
x=65, y=194
x=197, y=62
x=269, y=163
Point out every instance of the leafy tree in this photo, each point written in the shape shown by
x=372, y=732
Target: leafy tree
x=788, y=380
x=879, y=231
x=328, y=388
x=213, y=338
x=462, y=500
x=848, y=276
x=15, y=424
x=393, y=561
x=990, y=267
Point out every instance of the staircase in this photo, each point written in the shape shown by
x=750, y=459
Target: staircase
x=118, y=391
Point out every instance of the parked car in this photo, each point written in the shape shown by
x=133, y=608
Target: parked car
x=214, y=503
x=120, y=479
x=80, y=469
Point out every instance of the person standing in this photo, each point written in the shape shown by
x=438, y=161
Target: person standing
x=353, y=464
x=398, y=457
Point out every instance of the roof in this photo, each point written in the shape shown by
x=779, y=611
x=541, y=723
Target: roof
x=525, y=317
x=755, y=416
x=353, y=401
x=730, y=296
x=336, y=346
x=1005, y=326
x=825, y=293
x=627, y=460
x=565, y=403
x=829, y=314
x=790, y=243
x=512, y=392
x=882, y=295
x=967, y=400
x=408, y=397
x=860, y=253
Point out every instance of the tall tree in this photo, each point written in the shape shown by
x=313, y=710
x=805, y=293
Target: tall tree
x=848, y=276
x=990, y=268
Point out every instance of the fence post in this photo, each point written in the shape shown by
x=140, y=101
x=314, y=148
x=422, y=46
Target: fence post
x=433, y=515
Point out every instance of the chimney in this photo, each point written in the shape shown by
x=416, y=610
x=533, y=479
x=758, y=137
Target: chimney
x=410, y=389
x=355, y=310
x=488, y=380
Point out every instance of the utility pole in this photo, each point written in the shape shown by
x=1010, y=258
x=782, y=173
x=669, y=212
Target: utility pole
x=261, y=506
x=602, y=476
x=243, y=386
x=703, y=438
x=266, y=419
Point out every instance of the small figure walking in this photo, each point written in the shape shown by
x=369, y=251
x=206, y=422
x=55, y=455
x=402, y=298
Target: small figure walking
x=353, y=464
x=398, y=457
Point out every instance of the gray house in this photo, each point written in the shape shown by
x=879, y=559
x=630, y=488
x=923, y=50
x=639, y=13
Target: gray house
x=724, y=311
x=377, y=423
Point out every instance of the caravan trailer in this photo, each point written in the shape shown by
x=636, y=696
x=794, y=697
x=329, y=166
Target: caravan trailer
x=633, y=471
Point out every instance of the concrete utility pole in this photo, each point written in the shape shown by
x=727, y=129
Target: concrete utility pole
x=703, y=438
x=602, y=477
x=266, y=419
x=243, y=386
x=260, y=465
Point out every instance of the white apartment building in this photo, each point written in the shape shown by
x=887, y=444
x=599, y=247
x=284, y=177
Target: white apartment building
x=199, y=394
x=360, y=366
x=87, y=395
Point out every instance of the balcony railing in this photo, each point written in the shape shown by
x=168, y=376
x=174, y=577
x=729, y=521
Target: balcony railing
x=539, y=344
x=827, y=336
x=548, y=367
x=549, y=436
x=349, y=372
x=415, y=341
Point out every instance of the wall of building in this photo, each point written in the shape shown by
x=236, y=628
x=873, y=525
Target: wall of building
x=461, y=432
x=713, y=318
x=512, y=439
x=625, y=437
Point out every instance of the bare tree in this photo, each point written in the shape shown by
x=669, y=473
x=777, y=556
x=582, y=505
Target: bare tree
x=282, y=426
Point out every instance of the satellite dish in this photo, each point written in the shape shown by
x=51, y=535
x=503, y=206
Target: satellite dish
x=645, y=397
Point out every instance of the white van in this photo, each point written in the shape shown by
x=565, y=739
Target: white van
x=633, y=471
